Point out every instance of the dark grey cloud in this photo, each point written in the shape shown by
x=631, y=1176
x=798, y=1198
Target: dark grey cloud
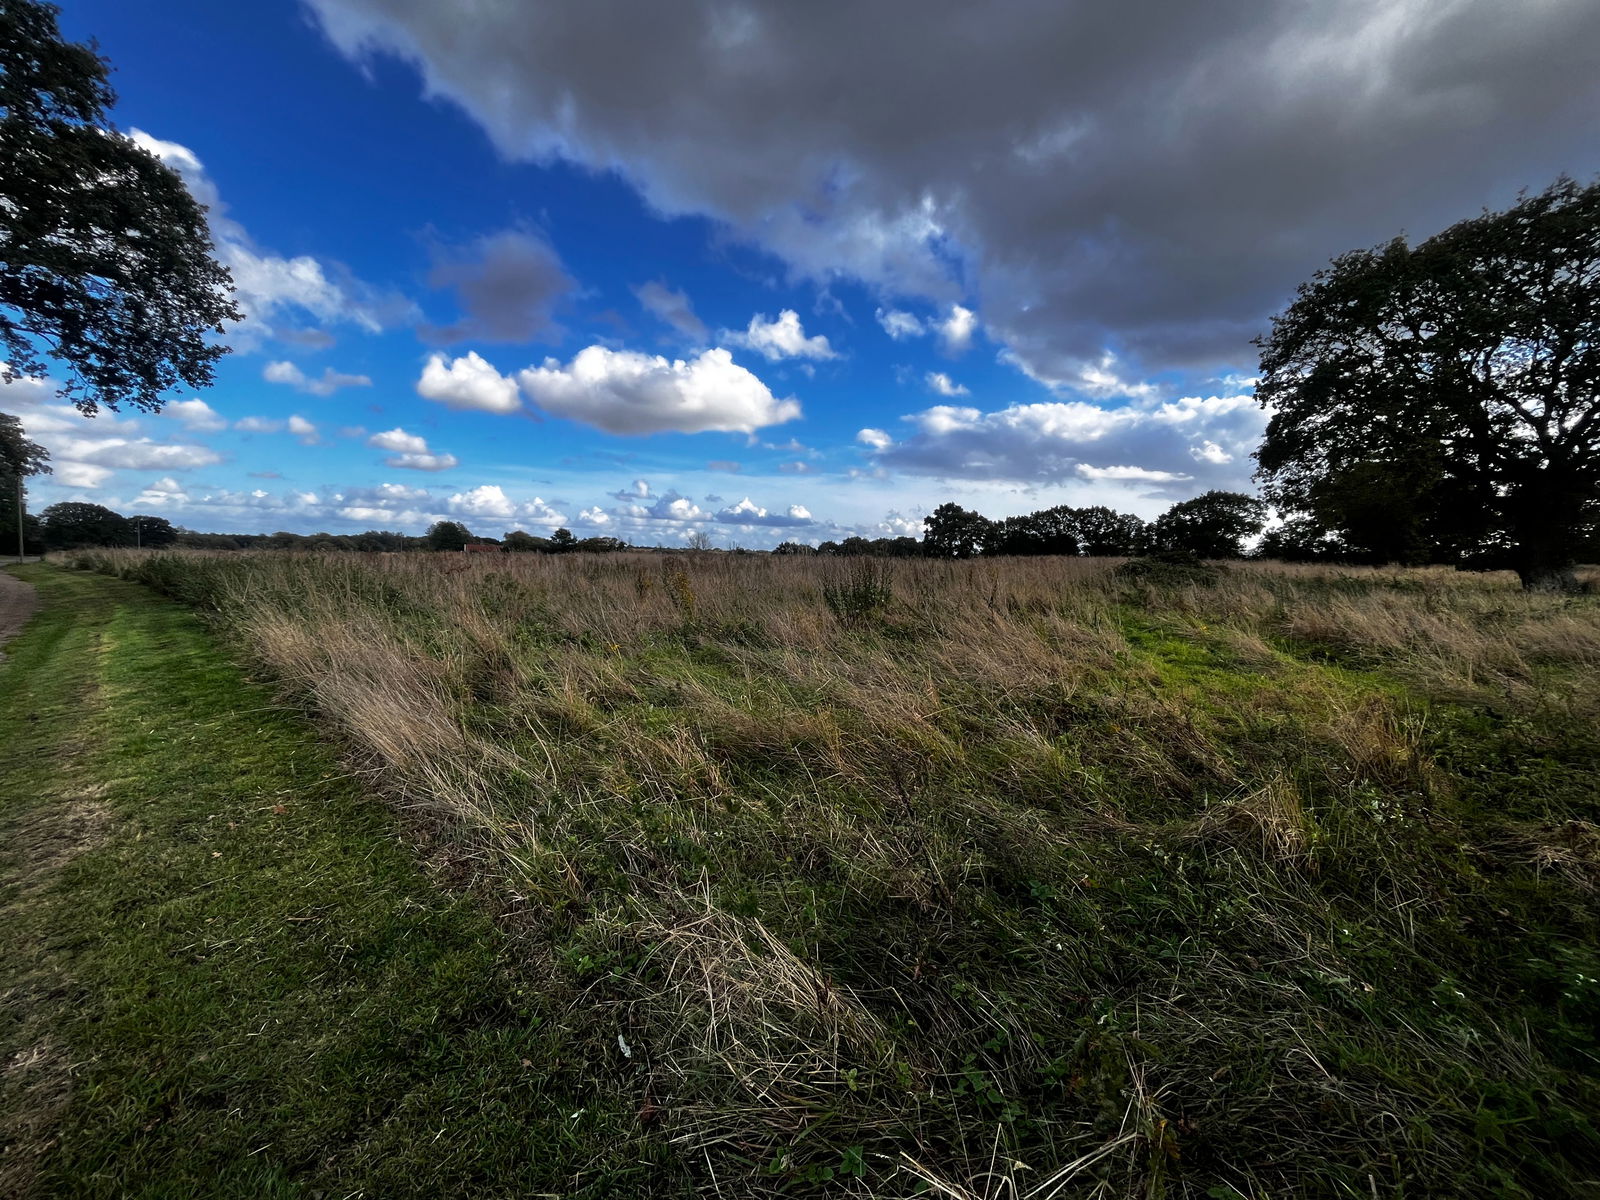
x=1151, y=177
x=673, y=307
x=751, y=515
x=506, y=284
x=1175, y=448
x=311, y=339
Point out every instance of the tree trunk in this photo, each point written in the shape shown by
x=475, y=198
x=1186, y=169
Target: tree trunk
x=1548, y=577
x=1546, y=555
x=1546, y=516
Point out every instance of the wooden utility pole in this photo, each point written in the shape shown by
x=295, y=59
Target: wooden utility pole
x=20, y=555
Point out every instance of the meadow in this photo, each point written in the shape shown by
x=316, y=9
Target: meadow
x=994, y=879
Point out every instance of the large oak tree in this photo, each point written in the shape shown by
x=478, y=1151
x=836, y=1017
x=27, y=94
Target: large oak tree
x=106, y=265
x=1442, y=401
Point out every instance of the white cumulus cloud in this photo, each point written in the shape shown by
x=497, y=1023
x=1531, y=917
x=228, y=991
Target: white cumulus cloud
x=196, y=415
x=329, y=382
x=956, y=330
x=878, y=439
x=625, y=392
x=486, y=500
x=780, y=339
x=939, y=382
x=80, y=474
x=398, y=440
x=900, y=325
x=409, y=451
x=468, y=382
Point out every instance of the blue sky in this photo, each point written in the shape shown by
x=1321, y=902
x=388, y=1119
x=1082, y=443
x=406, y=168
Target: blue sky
x=777, y=274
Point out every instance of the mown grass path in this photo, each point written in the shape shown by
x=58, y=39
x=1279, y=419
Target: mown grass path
x=221, y=971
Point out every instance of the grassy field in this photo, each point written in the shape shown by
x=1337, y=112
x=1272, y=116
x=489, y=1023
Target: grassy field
x=982, y=879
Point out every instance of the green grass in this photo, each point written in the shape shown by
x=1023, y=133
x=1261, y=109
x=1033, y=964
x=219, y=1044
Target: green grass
x=259, y=990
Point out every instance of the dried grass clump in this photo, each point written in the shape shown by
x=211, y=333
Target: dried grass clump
x=1271, y=822
x=1570, y=851
x=734, y=994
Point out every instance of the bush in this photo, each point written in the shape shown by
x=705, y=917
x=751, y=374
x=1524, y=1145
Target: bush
x=855, y=593
x=1171, y=568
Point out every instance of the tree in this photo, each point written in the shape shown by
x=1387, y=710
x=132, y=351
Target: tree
x=518, y=542
x=1300, y=539
x=1048, y=531
x=953, y=532
x=72, y=524
x=1106, y=533
x=899, y=547
x=105, y=260
x=563, y=539
x=19, y=458
x=1213, y=525
x=793, y=548
x=1443, y=401
x=447, y=535
x=152, y=532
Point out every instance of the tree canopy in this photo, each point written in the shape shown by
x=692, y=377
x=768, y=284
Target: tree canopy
x=105, y=260
x=951, y=531
x=72, y=524
x=1442, y=402
x=152, y=532
x=447, y=535
x=1212, y=525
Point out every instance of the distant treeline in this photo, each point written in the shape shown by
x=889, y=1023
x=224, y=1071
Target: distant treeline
x=1215, y=525
x=72, y=525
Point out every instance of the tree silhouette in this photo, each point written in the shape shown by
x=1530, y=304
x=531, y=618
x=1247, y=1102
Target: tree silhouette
x=447, y=535
x=1443, y=401
x=1212, y=525
x=954, y=532
x=72, y=524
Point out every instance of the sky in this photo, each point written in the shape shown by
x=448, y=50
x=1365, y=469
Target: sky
x=772, y=272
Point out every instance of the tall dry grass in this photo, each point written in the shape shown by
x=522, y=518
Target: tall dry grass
x=1002, y=878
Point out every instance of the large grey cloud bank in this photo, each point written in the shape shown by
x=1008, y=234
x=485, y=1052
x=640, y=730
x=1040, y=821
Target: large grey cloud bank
x=1151, y=176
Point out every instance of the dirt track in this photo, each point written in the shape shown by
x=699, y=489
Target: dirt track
x=18, y=601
